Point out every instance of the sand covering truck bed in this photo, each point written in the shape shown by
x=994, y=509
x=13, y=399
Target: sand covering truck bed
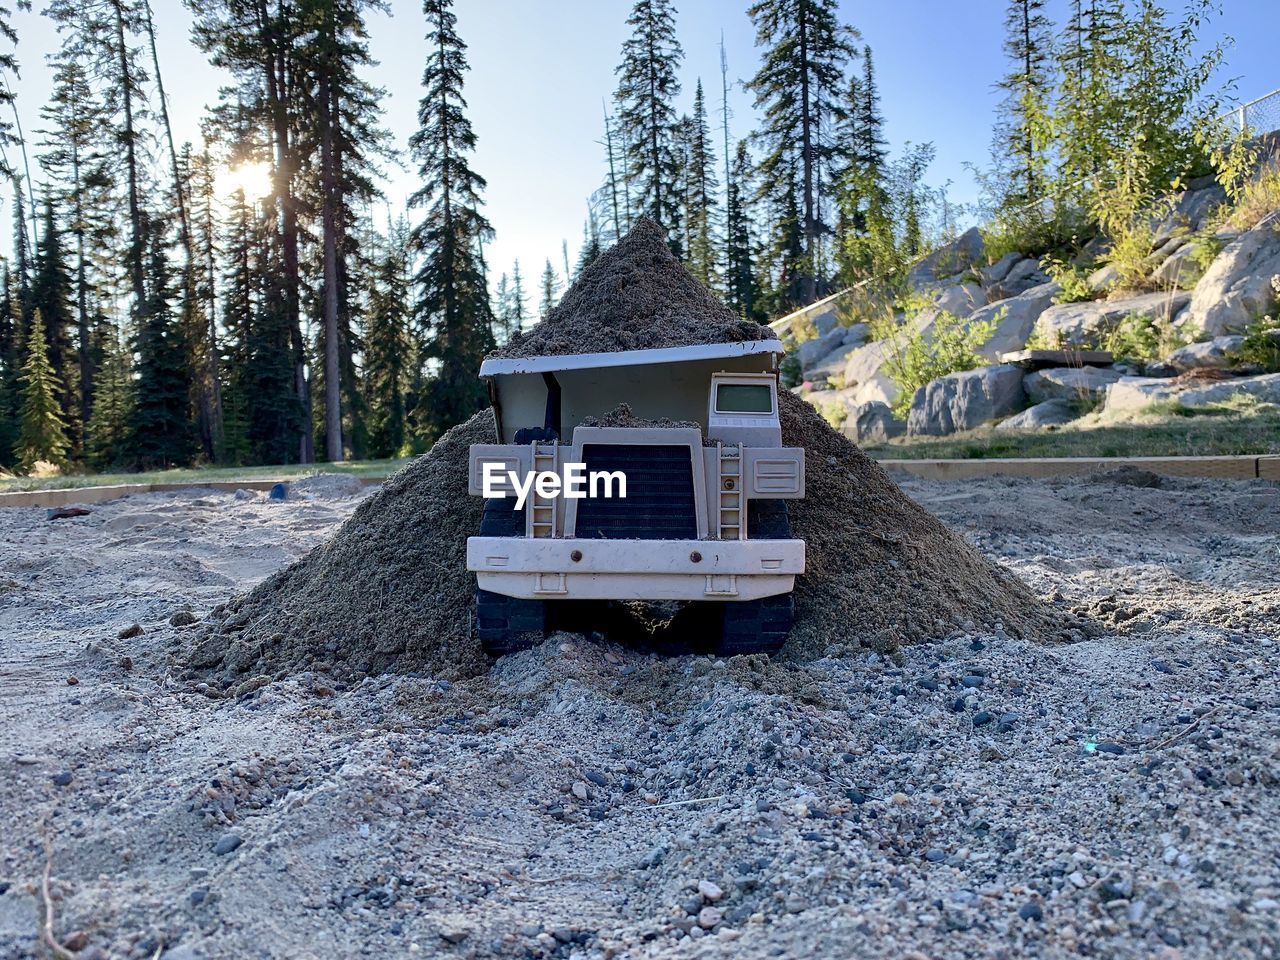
x=691, y=436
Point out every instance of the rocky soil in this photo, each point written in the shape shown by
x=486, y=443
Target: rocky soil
x=971, y=795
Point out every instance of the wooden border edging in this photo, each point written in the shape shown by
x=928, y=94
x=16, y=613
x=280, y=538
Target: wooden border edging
x=64, y=497
x=1219, y=468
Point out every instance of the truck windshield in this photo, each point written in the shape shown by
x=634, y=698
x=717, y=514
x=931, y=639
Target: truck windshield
x=743, y=398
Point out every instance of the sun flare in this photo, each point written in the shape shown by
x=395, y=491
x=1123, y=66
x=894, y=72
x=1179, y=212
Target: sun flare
x=252, y=178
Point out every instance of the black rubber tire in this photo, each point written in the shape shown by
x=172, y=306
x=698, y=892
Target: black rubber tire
x=759, y=626
x=755, y=626
x=506, y=624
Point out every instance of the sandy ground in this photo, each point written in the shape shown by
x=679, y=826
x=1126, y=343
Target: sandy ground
x=976, y=796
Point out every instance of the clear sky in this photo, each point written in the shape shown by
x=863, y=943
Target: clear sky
x=540, y=68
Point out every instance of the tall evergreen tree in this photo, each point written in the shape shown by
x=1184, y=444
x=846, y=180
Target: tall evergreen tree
x=701, y=206
x=550, y=288
x=263, y=45
x=75, y=159
x=865, y=226
x=42, y=431
x=519, y=312
x=453, y=309
x=343, y=110
x=387, y=347
x=110, y=428
x=162, y=429
x=1023, y=130
x=742, y=287
x=10, y=369
x=648, y=84
x=799, y=89
x=51, y=293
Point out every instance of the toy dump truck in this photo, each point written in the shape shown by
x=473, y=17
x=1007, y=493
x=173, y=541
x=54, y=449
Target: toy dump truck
x=687, y=501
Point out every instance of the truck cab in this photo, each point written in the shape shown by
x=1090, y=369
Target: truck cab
x=700, y=514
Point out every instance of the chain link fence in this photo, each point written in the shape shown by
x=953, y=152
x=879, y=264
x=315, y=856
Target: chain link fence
x=1259, y=116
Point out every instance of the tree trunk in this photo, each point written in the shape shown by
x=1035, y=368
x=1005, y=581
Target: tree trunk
x=807, y=282
x=136, y=241
x=329, y=221
x=276, y=72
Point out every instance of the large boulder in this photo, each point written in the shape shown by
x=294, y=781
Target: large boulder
x=833, y=363
x=1069, y=383
x=1050, y=413
x=1237, y=286
x=965, y=400
x=865, y=374
x=1179, y=269
x=1088, y=322
x=1130, y=394
x=1211, y=354
x=961, y=253
x=1014, y=319
x=1189, y=211
x=1024, y=275
x=811, y=351
x=960, y=299
x=993, y=274
x=873, y=422
x=1264, y=387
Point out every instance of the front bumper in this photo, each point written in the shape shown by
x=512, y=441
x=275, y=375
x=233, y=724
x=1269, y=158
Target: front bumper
x=545, y=568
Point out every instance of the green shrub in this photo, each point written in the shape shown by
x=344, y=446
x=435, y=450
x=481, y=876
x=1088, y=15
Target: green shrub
x=1073, y=280
x=913, y=358
x=789, y=371
x=1261, y=345
x=1257, y=197
x=1142, y=338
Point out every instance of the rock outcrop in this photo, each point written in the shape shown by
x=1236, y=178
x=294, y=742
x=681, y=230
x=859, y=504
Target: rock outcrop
x=1087, y=322
x=1237, y=287
x=1069, y=383
x=965, y=400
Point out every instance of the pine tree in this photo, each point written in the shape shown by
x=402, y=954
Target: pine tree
x=42, y=431
x=798, y=89
x=110, y=428
x=10, y=368
x=519, y=313
x=263, y=45
x=647, y=87
x=865, y=226
x=742, y=288
x=1023, y=130
x=550, y=287
x=77, y=163
x=701, y=213
x=343, y=110
x=51, y=293
x=162, y=431
x=453, y=310
x=387, y=347
x=618, y=191
x=590, y=245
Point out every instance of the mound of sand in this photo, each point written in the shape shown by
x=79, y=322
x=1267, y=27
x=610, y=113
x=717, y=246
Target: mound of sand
x=635, y=296
x=390, y=590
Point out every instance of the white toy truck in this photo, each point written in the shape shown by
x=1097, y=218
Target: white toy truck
x=704, y=516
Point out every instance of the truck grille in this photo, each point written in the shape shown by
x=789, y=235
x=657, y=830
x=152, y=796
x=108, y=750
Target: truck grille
x=659, y=504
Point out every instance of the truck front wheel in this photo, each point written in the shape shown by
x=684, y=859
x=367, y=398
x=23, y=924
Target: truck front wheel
x=755, y=626
x=508, y=624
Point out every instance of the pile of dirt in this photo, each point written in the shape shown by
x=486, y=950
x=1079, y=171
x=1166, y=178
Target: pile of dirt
x=623, y=416
x=390, y=590
x=634, y=296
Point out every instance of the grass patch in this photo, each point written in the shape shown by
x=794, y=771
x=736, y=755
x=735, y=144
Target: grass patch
x=1161, y=431
x=196, y=475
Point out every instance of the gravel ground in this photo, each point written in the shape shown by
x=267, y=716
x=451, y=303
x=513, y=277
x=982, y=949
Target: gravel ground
x=976, y=795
